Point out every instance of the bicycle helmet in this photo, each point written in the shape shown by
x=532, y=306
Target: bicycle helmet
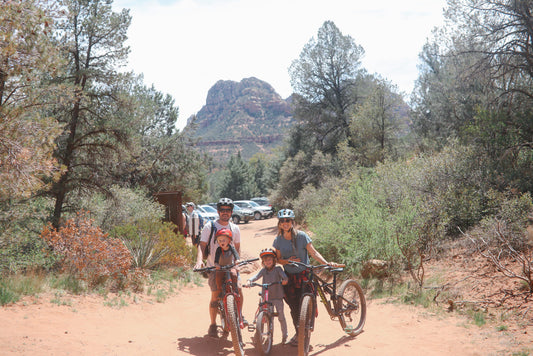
x=190, y=204
x=225, y=202
x=267, y=252
x=286, y=213
x=225, y=232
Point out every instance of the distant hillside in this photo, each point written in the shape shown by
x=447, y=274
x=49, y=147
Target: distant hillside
x=248, y=116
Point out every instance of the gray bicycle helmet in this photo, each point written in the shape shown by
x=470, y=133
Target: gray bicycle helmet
x=225, y=202
x=286, y=213
x=190, y=204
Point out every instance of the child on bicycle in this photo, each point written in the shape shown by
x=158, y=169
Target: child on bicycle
x=226, y=254
x=272, y=273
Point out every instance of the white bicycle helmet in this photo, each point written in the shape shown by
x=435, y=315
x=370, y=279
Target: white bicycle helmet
x=225, y=202
x=286, y=214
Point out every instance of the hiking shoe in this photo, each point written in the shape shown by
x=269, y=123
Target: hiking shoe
x=212, y=331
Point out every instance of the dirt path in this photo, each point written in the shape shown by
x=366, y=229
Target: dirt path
x=73, y=325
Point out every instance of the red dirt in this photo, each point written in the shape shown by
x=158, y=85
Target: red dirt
x=92, y=325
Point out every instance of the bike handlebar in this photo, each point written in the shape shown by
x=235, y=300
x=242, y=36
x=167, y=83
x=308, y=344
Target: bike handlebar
x=223, y=268
x=263, y=285
x=311, y=267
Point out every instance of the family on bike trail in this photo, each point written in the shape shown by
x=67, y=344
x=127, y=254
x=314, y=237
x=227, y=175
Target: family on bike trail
x=290, y=245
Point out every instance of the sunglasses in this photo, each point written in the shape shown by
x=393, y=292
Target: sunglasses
x=285, y=220
x=225, y=210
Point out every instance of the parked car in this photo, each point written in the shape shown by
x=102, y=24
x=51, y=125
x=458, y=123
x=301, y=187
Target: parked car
x=259, y=210
x=207, y=212
x=241, y=214
x=262, y=201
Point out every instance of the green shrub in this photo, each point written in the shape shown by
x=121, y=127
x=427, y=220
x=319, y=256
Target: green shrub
x=123, y=206
x=153, y=243
x=21, y=249
x=7, y=295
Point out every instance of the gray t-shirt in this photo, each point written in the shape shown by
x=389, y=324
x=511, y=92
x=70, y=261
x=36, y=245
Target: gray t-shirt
x=298, y=249
x=276, y=274
x=206, y=232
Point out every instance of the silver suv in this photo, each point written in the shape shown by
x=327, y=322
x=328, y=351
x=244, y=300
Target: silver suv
x=259, y=210
x=241, y=214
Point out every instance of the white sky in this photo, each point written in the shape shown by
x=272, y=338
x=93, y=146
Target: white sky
x=184, y=47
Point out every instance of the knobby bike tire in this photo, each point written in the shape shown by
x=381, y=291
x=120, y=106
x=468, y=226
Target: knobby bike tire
x=234, y=326
x=304, y=325
x=264, y=333
x=351, y=306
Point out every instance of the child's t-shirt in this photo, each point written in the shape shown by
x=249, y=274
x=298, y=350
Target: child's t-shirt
x=276, y=274
x=228, y=257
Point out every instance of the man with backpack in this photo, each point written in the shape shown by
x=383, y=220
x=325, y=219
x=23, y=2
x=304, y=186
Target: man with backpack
x=207, y=249
x=195, y=223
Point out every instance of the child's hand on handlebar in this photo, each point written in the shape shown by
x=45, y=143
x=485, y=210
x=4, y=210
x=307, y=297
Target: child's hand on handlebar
x=199, y=265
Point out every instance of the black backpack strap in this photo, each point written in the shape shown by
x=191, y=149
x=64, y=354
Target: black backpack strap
x=208, y=247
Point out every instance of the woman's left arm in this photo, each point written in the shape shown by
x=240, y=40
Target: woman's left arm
x=315, y=254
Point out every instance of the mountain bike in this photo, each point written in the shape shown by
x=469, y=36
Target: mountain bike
x=263, y=324
x=229, y=306
x=347, y=304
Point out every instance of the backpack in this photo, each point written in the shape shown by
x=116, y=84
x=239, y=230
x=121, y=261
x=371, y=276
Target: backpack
x=205, y=252
x=200, y=222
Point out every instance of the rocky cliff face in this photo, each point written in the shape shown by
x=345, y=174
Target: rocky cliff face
x=248, y=116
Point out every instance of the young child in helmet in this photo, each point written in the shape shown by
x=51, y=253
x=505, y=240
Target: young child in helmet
x=226, y=254
x=272, y=273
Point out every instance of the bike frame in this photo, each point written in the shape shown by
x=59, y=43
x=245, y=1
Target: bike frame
x=314, y=285
x=264, y=303
x=230, y=288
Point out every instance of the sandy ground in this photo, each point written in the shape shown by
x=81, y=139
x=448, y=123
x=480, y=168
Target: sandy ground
x=92, y=325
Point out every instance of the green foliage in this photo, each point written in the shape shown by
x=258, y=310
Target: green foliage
x=7, y=295
x=67, y=282
x=324, y=79
x=376, y=126
x=359, y=231
x=20, y=225
x=124, y=205
x=396, y=212
x=304, y=169
x=238, y=182
x=153, y=243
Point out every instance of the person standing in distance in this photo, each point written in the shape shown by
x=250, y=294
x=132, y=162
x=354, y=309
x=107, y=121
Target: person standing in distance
x=208, y=238
x=193, y=223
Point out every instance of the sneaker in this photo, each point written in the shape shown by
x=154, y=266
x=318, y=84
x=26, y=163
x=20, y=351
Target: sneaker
x=284, y=340
x=245, y=322
x=294, y=340
x=212, y=331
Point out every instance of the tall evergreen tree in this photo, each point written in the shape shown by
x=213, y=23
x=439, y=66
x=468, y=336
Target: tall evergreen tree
x=92, y=38
x=324, y=78
x=236, y=183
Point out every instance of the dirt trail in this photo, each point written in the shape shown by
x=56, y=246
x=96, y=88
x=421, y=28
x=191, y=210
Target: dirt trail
x=90, y=326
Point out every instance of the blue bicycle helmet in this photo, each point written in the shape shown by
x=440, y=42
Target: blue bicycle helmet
x=286, y=213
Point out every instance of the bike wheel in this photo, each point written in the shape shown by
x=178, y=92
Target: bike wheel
x=264, y=330
x=351, y=306
x=304, y=325
x=234, y=325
